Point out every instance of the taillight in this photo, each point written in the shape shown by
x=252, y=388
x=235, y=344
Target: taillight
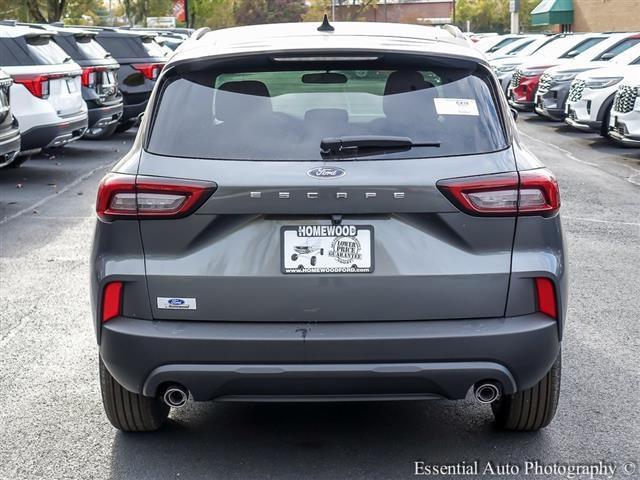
x=111, y=301
x=546, y=294
x=130, y=196
x=90, y=75
x=531, y=192
x=38, y=85
x=149, y=70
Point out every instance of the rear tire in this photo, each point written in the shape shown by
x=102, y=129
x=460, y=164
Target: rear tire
x=531, y=409
x=128, y=411
x=19, y=160
x=103, y=134
x=604, y=128
x=126, y=125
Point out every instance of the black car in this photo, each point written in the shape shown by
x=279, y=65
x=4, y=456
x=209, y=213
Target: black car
x=9, y=132
x=99, y=79
x=141, y=59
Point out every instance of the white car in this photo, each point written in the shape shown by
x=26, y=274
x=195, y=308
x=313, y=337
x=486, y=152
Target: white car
x=624, y=121
x=554, y=84
x=512, y=48
x=46, y=96
x=592, y=93
x=554, y=47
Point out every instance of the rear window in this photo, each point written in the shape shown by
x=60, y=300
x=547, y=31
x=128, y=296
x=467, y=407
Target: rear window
x=285, y=114
x=152, y=47
x=39, y=50
x=82, y=47
x=123, y=46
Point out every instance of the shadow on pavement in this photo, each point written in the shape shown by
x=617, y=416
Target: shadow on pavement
x=322, y=440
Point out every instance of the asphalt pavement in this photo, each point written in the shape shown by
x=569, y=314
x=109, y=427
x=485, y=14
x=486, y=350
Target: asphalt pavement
x=52, y=422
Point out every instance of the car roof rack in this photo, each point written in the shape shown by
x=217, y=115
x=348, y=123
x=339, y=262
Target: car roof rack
x=198, y=34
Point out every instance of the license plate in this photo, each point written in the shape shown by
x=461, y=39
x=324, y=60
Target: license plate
x=327, y=249
x=71, y=85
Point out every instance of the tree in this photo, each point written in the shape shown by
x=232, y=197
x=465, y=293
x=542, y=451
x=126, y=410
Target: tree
x=137, y=11
x=492, y=15
x=211, y=13
x=46, y=11
x=252, y=12
x=347, y=10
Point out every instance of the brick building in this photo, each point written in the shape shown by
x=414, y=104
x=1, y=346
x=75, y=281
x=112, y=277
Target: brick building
x=588, y=15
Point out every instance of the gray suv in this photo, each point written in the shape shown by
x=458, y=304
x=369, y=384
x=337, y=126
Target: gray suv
x=335, y=213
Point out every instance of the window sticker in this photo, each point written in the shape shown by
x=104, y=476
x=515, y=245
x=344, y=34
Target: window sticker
x=456, y=106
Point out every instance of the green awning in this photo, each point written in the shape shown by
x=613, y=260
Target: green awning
x=551, y=12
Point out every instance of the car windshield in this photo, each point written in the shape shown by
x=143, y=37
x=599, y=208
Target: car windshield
x=286, y=114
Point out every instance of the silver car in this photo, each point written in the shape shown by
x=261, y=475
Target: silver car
x=336, y=212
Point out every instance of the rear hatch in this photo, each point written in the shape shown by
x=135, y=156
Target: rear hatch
x=322, y=211
x=6, y=119
x=38, y=63
x=99, y=68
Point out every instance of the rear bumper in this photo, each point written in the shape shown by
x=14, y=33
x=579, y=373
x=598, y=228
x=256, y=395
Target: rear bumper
x=54, y=135
x=132, y=111
x=230, y=361
x=104, y=116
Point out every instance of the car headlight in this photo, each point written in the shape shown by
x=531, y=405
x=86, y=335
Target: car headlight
x=601, y=82
x=532, y=72
x=563, y=77
x=505, y=68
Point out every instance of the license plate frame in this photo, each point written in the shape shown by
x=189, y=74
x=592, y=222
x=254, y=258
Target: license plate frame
x=353, y=241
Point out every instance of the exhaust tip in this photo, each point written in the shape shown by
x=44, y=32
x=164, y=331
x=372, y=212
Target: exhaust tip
x=175, y=396
x=487, y=392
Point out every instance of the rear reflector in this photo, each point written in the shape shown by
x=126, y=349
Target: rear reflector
x=531, y=192
x=546, y=293
x=112, y=301
x=128, y=196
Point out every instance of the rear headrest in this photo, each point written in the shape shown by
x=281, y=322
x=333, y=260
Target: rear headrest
x=241, y=100
x=326, y=116
x=402, y=81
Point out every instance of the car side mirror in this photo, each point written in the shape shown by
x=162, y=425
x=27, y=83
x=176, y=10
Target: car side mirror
x=514, y=114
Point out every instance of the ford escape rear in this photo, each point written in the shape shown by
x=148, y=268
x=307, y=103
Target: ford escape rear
x=318, y=215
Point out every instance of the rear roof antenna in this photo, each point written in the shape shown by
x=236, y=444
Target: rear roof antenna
x=326, y=26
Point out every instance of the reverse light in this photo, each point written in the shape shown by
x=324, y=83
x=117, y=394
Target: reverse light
x=530, y=192
x=149, y=70
x=546, y=294
x=111, y=301
x=130, y=196
x=38, y=85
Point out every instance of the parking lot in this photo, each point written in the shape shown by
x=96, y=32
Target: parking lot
x=52, y=420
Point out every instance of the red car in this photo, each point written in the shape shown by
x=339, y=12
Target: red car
x=524, y=83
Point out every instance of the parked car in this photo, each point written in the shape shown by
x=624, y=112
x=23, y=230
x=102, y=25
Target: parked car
x=512, y=48
x=260, y=261
x=592, y=93
x=624, y=121
x=46, y=94
x=553, y=87
x=141, y=60
x=99, y=78
x=524, y=83
x=523, y=48
x=9, y=130
x=491, y=43
x=555, y=45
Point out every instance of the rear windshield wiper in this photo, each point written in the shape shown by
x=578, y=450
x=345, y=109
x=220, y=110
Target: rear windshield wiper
x=369, y=144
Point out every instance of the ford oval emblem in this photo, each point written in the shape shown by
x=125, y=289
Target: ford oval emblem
x=326, y=172
x=176, y=301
